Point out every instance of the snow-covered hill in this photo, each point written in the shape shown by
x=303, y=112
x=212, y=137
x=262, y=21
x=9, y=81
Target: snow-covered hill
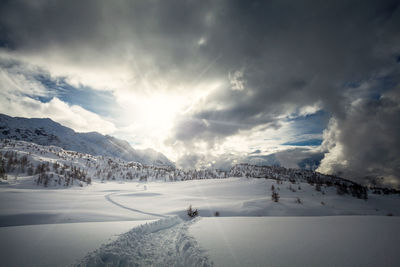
x=47, y=132
x=49, y=190
x=28, y=164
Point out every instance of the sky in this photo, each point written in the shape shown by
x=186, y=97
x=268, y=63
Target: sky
x=212, y=83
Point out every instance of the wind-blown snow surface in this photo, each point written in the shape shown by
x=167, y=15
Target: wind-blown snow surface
x=300, y=241
x=114, y=201
x=56, y=244
x=232, y=197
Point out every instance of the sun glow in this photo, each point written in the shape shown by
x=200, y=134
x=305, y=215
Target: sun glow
x=150, y=113
x=158, y=111
x=149, y=117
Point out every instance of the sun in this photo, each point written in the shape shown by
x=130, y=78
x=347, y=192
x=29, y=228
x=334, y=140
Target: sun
x=160, y=110
x=150, y=116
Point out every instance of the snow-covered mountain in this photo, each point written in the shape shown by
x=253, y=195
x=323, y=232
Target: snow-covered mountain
x=47, y=132
x=51, y=166
x=46, y=190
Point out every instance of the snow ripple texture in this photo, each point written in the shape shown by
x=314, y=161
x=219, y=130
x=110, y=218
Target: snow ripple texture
x=161, y=243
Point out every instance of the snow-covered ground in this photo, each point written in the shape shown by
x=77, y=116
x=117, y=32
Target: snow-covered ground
x=56, y=244
x=115, y=201
x=161, y=243
x=300, y=241
x=239, y=201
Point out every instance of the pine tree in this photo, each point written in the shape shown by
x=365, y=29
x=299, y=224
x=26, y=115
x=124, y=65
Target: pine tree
x=275, y=196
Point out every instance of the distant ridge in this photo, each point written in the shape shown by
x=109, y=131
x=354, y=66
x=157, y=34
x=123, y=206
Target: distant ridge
x=47, y=132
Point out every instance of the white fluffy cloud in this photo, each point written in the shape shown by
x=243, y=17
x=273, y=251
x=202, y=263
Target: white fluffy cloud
x=72, y=116
x=19, y=93
x=363, y=144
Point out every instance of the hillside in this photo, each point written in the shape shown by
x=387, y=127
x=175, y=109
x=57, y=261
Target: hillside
x=62, y=196
x=29, y=164
x=49, y=133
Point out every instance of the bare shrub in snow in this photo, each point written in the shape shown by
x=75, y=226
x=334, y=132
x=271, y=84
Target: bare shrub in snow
x=275, y=196
x=192, y=212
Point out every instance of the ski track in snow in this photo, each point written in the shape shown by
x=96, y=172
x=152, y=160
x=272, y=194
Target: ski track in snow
x=162, y=243
x=109, y=199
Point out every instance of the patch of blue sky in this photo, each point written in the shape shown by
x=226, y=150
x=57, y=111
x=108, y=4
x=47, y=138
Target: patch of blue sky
x=307, y=130
x=311, y=123
x=310, y=142
x=99, y=102
x=379, y=86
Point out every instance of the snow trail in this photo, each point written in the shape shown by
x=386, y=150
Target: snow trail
x=162, y=243
x=109, y=199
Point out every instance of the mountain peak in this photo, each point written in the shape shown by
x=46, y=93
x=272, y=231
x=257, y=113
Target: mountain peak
x=44, y=131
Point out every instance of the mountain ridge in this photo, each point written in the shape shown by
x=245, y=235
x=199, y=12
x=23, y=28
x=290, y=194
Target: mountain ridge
x=44, y=131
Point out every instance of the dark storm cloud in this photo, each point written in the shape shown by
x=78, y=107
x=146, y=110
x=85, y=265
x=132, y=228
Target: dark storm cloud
x=162, y=35
x=274, y=57
x=366, y=142
x=297, y=54
x=289, y=53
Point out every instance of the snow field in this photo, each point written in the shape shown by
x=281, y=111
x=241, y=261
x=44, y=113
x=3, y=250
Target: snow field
x=49, y=245
x=240, y=229
x=161, y=243
x=300, y=241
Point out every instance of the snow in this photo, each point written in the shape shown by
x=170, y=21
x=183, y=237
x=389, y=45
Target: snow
x=300, y=241
x=114, y=201
x=250, y=197
x=161, y=243
x=43, y=222
x=47, y=132
x=61, y=207
x=26, y=207
x=56, y=244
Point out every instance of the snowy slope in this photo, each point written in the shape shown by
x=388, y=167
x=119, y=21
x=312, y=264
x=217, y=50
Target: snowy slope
x=249, y=215
x=51, y=188
x=47, y=132
x=247, y=198
x=53, y=166
x=49, y=245
x=357, y=241
x=125, y=200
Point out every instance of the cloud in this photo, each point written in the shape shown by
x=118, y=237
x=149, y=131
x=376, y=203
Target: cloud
x=273, y=62
x=109, y=46
x=290, y=59
x=304, y=158
x=16, y=79
x=73, y=116
x=21, y=94
x=236, y=80
x=363, y=144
